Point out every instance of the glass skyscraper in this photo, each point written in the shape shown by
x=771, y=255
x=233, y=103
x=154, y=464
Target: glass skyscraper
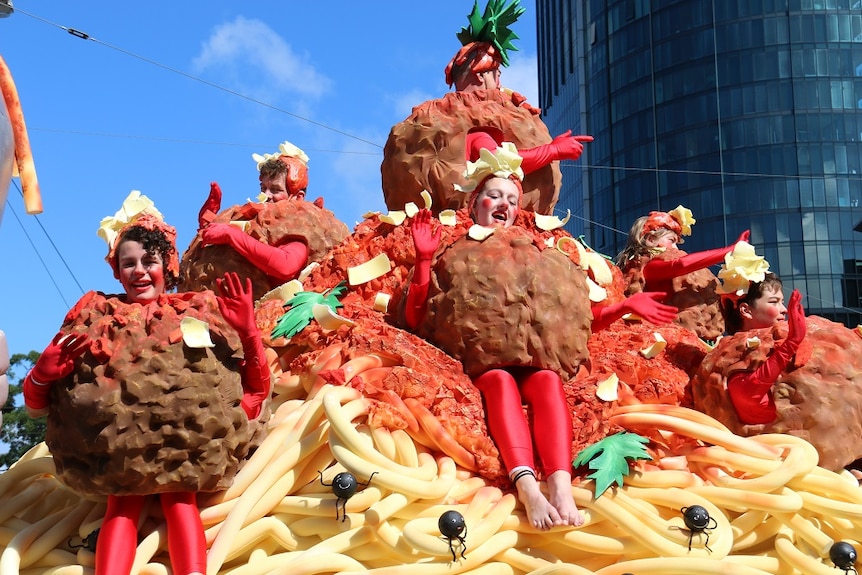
x=747, y=112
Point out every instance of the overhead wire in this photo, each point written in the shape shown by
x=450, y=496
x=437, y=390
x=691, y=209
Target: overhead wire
x=85, y=36
x=39, y=255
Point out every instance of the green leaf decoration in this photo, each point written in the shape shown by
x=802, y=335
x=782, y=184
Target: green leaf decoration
x=609, y=458
x=299, y=313
x=492, y=26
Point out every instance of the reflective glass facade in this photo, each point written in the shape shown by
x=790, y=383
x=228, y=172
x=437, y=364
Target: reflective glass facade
x=747, y=112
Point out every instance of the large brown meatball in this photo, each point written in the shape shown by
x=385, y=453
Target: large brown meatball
x=144, y=413
x=426, y=150
x=694, y=294
x=818, y=396
x=273, y=223
x=505, y=301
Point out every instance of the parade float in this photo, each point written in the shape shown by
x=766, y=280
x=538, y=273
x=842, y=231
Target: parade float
x=377, y=457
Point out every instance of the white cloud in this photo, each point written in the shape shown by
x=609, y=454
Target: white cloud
x=522, y=76
x=248, y=48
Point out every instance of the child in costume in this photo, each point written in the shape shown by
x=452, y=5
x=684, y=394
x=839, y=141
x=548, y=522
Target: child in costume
x=652, y=261
x=495, y=203
x=143, y=256
x=762, y=306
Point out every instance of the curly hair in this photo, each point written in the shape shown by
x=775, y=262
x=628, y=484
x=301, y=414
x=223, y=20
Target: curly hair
x=153, y=242
x=730, y=305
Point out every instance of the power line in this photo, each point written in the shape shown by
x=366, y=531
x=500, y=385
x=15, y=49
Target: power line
x=39, y=255
x=186, y=141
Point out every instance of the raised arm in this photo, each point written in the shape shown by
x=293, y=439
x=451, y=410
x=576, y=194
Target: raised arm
x=236, y=306
x=281, y=262
x=749, y=390
x=426, y=240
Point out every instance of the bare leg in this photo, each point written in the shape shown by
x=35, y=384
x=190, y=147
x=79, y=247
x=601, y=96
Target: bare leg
x=560, y=495
x=540, y=513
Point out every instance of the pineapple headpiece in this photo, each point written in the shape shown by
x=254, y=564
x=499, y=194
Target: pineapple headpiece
x=487, y=32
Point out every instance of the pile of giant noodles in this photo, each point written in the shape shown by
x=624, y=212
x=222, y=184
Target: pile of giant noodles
x=775, y=510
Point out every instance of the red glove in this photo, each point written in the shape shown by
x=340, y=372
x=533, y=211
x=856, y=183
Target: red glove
x=280, y=262
x=58, y=359
x=236, y=305
x=648, y=305
x=563, y=147
x=211, y=206
x=55, y=363
x=426, y=240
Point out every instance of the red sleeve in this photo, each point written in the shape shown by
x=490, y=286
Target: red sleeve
x=256, y=377
x=288, y=262
x=417, y=304
x=36, y=394
x=751, y=397
x=603, y=316
x=660, y=269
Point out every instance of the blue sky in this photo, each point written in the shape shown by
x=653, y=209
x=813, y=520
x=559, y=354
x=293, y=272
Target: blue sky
x=168, y=96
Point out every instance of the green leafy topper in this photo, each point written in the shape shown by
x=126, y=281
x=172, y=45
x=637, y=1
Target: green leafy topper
x=609, y=458
x=492, y=26
x=300, y=313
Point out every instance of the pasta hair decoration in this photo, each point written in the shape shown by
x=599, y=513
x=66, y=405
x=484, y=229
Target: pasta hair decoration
x=677, y=220
x=134, y=206
x=741, y=267
x=284, y=149
x=140, y=211
x=684, y=216
x=502, y=163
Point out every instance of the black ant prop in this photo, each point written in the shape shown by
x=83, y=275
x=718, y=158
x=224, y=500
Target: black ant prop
x=697, y=520
x=843, y=555
x=88, y=542
x=344, y=486
x=452, y=525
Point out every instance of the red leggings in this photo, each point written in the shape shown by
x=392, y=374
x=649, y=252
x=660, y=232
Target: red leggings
x=505, y=391
x=118, y=537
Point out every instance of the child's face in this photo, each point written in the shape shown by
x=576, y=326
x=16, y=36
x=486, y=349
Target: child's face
x=497, y=203
x=663, y=239
x=142, y=274
x=275, y=189
x=765, y=311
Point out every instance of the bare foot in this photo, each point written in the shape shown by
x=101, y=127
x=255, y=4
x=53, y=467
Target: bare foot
x=560, y=492
x=540, y=513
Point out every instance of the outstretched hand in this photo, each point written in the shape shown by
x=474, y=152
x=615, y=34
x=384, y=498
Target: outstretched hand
x=569, y=147
x=795, y=318
x=236, y=305
x=58, y=359
x=649, y=306
x=218, y=234
x=426, y=238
